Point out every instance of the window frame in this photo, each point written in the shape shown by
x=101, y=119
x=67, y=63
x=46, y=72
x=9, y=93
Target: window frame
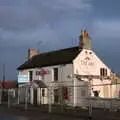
x=43, y=92
x=103, y=72
x=31, y=75
x=55, y=74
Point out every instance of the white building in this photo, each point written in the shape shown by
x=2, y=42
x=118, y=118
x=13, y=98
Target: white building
x=69, y=72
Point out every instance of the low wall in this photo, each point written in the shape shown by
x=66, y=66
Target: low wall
x=106, y=103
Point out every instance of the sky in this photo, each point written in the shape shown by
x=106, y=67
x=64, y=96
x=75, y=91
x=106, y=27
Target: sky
x=55, y=24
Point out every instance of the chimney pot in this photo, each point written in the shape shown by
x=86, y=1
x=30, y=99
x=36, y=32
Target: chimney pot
x=32, y=52
x=85, y=40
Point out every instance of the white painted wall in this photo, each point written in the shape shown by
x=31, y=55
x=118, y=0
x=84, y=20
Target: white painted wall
x=81, y=92
x=87, y=63
x=64, y=71
x=88, y=67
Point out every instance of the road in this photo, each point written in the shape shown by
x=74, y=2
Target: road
x=35, y=113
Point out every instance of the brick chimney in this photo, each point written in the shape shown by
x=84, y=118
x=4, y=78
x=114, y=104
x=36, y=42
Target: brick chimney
x=85, y=40
x=32, y=52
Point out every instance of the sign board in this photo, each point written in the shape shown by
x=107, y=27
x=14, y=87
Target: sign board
x=42, y=72
x=87, y=62
x=23, y=78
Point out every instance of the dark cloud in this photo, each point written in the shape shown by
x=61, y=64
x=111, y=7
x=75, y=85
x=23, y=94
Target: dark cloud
x=43, y=24
x=106, y=8
x=24, y=21
x=48, y=25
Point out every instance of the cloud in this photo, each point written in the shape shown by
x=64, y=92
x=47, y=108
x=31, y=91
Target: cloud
x=107, y=28
x=43, y=24
x=37, y=12
x=106, y=36
x=68, y=4
x=26, y=22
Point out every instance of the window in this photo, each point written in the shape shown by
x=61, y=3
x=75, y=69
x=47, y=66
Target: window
x=30, y=75
x=43, y=92
x=103, y=72
x=55, y=74
x=37, y=73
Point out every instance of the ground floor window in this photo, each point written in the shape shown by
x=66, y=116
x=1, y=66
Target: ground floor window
x=43, y=92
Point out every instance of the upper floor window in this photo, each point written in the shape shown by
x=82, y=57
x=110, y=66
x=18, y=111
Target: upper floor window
x=30, y=75
x=103, y=72
x=55, y=74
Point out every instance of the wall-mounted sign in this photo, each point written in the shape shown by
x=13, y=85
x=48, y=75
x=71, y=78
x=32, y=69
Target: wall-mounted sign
x=42, y=72
x=23, y=78
x=87, y=61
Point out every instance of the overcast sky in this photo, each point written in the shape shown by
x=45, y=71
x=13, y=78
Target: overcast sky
x=55, y=24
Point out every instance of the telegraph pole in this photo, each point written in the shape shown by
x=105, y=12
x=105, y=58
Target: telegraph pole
x=3, y=74
x=3, y=82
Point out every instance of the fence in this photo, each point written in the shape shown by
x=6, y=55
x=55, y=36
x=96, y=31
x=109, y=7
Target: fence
x=64, y=98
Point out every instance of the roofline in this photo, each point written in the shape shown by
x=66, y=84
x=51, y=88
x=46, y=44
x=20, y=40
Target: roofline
x=47, y=53
x=59, y=50
x=45, y=66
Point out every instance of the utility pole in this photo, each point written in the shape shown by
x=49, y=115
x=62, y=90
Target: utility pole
x=3, y=82
x=3, y=74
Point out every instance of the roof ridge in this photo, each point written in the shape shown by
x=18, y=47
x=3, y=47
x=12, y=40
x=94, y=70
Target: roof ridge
x=63, y=49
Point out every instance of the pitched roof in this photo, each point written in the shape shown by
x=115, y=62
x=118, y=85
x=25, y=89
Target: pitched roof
x=58, y=57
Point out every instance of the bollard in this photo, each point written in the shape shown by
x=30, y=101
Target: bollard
x=90, y=111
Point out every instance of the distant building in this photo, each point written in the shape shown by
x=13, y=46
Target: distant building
x=9, y=84
x=70, y=68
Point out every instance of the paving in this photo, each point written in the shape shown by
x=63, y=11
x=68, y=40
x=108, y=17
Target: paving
x=41, y=113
